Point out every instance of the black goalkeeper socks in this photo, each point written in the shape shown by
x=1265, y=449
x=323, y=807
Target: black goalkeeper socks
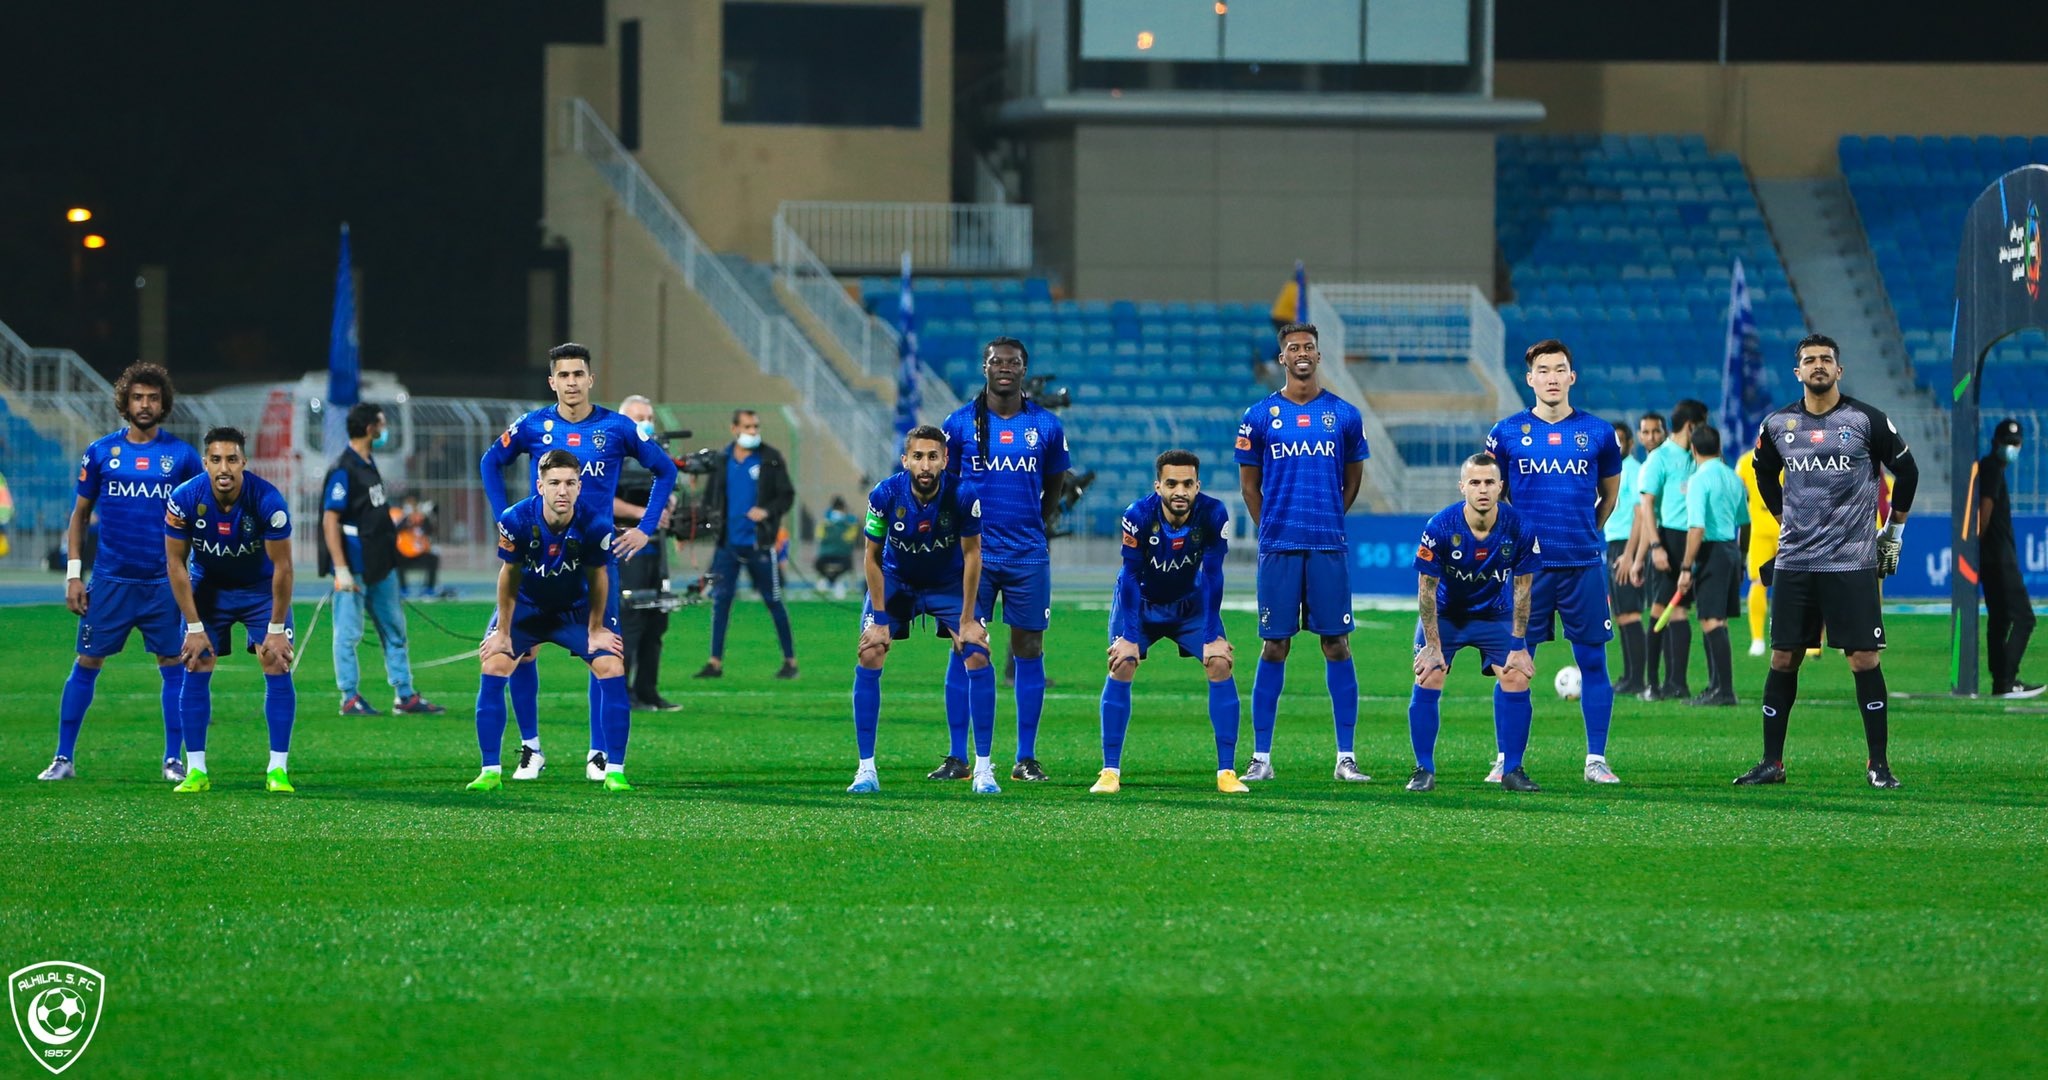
x=1876, y=702
x=1780, y=688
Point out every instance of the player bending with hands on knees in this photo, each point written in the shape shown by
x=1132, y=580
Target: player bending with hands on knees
x=1818, y=466
x=1472, y=553
x=228, y=547
x=1171, y=586
x=923, y=558
x=555, y=557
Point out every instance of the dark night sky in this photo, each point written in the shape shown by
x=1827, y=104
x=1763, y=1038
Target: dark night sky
x=230, y=140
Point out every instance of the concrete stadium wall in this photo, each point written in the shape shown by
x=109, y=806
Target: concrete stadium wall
x=1784, y=119
x=1191, y=212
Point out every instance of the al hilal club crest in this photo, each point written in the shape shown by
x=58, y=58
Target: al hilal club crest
x=56, y=1009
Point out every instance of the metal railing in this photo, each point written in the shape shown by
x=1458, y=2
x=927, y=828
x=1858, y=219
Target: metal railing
x=949, y=238
x=1381, y=487
x=775, y=342
x=871, y=341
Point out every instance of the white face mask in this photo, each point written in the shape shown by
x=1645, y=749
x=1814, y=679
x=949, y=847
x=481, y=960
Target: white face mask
x=749, y=440
x=2011, y=452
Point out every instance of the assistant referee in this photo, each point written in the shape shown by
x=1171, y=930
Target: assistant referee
x=1829, y=448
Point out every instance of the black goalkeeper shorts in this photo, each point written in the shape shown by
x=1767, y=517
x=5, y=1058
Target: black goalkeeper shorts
x=1847, y=602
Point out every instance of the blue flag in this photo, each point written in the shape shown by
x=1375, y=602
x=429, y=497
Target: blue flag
x=907, y=393
x=1744, y=398
x=344, y=365
x=1300, y=292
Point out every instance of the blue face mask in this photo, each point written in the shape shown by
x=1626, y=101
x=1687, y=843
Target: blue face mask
x=382, y=440
x=2011, y=452
x=645, y=428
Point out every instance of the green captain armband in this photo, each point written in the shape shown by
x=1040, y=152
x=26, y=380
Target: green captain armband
x=874, y=527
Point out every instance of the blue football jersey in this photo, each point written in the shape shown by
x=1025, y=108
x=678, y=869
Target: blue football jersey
x=553, y=563
x=1475, y=577
x=1010, y=474
x=1165, y=566
x=1552, y=473
x=601, y=441
x=1301, y=452
x=128, y=484
x=227, y=541
x=921, y=540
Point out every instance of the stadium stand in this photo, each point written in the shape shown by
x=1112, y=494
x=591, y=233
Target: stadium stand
x=39, y=472
x=1621, y=245
x=1144, y=375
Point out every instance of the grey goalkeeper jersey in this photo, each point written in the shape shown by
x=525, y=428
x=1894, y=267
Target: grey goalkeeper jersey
x=1831, y=481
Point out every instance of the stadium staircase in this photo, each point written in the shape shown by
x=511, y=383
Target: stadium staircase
x=1621, y=245
x=1836, y=277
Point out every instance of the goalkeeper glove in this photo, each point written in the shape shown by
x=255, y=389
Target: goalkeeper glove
x=1888, y=544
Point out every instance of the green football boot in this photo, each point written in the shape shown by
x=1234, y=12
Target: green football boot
x=194, y=781
x=616, y=781
x=488, y=780
x=277, y=782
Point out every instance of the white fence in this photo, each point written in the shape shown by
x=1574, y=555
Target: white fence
x=946, y=238
x=861, y=428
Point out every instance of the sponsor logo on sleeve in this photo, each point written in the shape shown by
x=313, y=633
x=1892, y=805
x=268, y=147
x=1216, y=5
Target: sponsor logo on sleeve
x=277, y=519
x=1423, y=552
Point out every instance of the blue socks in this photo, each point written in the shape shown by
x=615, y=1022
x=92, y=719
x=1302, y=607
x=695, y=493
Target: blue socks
x=525, y=683
x=1425, y=713
x=1223, y=717
x=1511, y=714
x=867, y=708
x=71, y=710
x=1030, y=690
x=1342, y=679
x=490, y=717
x=1116, y=719
x=981, y=705
x=173, y=676
x=195, y=706
x=280, y=704
x=1596, y=694
x=956, y=705
x=600, y=737
x=618, y=718
x=1266, y=686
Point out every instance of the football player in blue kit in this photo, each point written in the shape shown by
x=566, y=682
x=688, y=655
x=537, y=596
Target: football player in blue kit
x=1562, y=467
x=924, y=529
x=1300, y=456
x=125, y=477
x=555, y=558
x=1015, y=453
x=601, y=440
x=228, y=549
x=1475, y=567
x=1171, y=588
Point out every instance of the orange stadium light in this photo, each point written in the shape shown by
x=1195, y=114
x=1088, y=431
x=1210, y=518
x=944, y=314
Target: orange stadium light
x=1144, y=40
x=95, y=241
x=1222, y=8
x=77, y=215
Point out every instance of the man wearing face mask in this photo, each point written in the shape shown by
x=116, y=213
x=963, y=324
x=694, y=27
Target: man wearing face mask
x=642, y=628
x=360, y=548
x=748, y=491
x=2005, y=591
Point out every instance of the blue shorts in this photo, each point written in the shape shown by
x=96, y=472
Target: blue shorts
x=1186, y=624
x=1027, y=595
x=221, y=608
x=1293, y=582
x=112, y=608
x=1576, y=594
x=570, y=629
x=903, y=603
x=1492, y=637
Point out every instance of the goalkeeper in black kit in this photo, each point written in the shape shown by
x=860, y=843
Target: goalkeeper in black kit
x=1818, y=469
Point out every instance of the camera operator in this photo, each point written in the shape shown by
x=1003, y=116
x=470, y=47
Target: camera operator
x=748, y=491
x=642, y=627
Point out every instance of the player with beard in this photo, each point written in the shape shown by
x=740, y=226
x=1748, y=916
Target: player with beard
x=1818, y=464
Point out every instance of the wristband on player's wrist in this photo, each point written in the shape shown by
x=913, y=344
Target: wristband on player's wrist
x=74, y=569
x=1518, y=644
x=195, y=628
x=274, y=628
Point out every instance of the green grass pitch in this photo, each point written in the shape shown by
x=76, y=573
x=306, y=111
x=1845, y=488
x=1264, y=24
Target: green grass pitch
x=740, y=914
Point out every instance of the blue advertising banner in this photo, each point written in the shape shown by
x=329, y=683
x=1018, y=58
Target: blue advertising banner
x=1383, y=555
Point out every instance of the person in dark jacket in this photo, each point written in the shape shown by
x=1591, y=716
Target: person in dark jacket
x=2011, y=611
x=748, y=492
x=359, y=546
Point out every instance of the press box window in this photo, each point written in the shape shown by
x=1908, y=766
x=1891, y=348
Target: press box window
x=824, y=65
